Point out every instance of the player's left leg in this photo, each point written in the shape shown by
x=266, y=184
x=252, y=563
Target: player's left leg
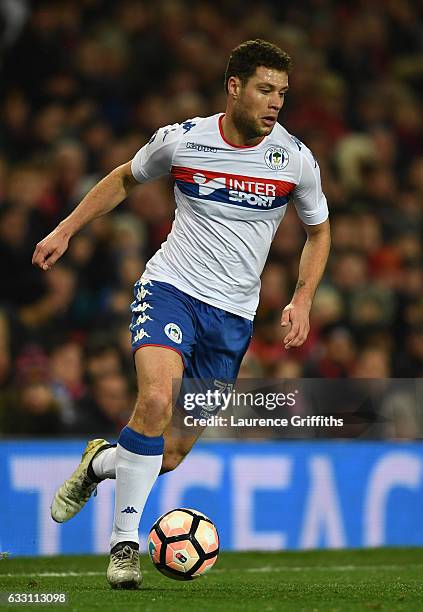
x=179, y=441
x=74, y=493
x=223, y=339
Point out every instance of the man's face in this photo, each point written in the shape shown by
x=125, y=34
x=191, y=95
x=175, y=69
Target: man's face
x=111, y=394
x=257, y=103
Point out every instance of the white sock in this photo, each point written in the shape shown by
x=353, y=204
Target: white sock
x=136, y=474
x=104, y=464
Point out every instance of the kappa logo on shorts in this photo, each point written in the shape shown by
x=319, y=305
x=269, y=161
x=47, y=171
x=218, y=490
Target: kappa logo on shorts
x=142, y=319
x=141, y=333
x=142, y=307
x=276, y=158
x=173, y=332
x=142, y=293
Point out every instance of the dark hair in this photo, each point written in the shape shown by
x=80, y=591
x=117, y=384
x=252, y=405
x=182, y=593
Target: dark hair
x=251, y=54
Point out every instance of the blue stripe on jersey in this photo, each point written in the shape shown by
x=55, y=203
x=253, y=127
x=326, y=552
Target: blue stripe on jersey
x=231, y=196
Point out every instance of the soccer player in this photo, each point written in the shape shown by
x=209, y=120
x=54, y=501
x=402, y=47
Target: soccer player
x=194, y=305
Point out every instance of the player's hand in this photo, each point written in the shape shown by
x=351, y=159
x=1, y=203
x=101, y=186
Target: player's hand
x=297, y=317
x=50, y=249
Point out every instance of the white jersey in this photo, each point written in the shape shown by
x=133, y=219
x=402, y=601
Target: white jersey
x=230, y=200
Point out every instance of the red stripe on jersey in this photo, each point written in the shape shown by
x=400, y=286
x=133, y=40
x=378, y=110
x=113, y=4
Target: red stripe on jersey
x=237, y=182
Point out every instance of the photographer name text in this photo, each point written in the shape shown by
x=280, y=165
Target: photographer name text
x=293, y=421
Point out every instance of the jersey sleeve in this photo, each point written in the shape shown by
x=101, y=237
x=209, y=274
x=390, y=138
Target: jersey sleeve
x=309, y=199
x=155, y=158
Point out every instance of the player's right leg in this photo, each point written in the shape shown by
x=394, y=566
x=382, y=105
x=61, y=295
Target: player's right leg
x=163, y=337
x=139, y=456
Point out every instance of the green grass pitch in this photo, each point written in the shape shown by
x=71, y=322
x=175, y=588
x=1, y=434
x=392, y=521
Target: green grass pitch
x=317, y=581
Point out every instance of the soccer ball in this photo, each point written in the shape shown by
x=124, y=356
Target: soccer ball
x=183, y=544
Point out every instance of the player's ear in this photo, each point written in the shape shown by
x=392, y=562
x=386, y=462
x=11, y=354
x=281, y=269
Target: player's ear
x=234, y=86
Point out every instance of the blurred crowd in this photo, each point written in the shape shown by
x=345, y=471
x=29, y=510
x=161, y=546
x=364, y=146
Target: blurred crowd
x=84, y=85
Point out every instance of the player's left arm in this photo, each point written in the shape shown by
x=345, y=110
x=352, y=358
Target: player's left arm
x=312, y=209
x=312, y=265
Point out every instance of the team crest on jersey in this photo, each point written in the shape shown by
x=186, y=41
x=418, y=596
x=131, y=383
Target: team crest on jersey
x=173, y=332
x=276, y=158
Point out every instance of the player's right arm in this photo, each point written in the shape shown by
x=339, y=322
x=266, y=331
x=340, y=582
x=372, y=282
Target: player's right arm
x=151, y=161
x=101, y=199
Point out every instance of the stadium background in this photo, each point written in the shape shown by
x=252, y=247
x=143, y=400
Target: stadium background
x=84, y=85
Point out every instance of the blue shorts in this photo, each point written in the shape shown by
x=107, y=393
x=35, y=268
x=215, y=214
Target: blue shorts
x=212, y=342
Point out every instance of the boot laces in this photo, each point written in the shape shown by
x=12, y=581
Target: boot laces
x=125, y=557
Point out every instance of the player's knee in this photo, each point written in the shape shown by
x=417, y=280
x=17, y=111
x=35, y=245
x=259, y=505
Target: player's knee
x=155, y=401
x=153, y=410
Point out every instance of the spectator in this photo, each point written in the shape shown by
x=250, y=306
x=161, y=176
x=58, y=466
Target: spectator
x=108, y=408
